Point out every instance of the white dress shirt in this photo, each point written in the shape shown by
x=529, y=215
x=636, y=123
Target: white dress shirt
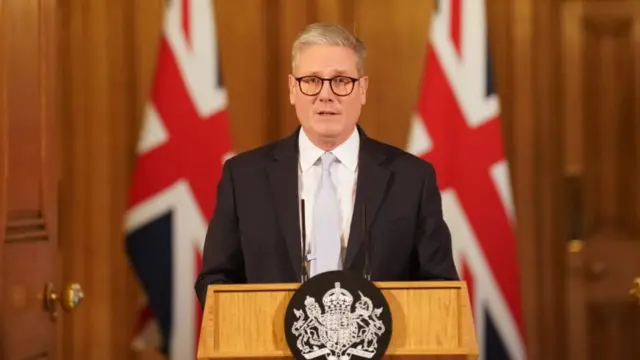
x=344, y=173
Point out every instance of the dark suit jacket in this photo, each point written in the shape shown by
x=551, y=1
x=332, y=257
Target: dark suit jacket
x=254, y=235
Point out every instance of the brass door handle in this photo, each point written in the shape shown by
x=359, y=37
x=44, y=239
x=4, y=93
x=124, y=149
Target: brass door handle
x=635, y=289
x=69, y=299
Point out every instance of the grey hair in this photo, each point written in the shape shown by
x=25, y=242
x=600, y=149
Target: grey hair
x=328, y=34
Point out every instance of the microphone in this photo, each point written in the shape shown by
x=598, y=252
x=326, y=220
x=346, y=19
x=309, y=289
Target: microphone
x=365, y=234
x=303, y=273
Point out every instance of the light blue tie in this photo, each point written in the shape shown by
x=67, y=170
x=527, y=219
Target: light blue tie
x=326, y=223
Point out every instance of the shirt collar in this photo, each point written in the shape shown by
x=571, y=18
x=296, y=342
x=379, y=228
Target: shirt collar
x=346, y=152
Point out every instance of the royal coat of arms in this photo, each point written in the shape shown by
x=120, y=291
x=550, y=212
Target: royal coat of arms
x=340, y=332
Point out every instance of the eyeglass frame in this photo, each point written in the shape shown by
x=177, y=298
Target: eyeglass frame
x=353, y=83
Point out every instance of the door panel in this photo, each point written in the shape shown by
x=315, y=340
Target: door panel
x=601, y=118
x=29, y=177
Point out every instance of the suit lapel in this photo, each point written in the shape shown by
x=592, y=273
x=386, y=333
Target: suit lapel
x=283, y=178
x=373, y=178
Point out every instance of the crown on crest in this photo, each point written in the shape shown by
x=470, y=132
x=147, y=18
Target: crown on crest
x=337, y=298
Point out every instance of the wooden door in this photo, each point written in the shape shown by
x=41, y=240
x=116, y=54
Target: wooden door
x=601, y=123
x=29, y=181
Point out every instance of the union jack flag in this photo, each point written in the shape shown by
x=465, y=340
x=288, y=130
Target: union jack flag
x=182, y=146
x=457, y=128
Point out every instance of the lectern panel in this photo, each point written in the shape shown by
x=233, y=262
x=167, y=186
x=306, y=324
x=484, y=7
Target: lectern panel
x=431, y=320
x=432, y=313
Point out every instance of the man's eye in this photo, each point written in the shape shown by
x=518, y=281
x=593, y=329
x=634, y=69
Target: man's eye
x=342, y=80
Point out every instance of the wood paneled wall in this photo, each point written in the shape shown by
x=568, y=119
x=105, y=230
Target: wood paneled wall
x=99, y=118
x=108, y=53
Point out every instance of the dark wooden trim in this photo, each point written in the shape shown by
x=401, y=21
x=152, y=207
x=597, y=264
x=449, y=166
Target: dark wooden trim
x=522, y=122
x=348, y=15
x=572, y=220
x=548, y=140
x=273, y=62
x=26, y=226
x=4, y=147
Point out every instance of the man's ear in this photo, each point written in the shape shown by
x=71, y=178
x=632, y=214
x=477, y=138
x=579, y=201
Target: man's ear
x=292, y=89
x=364, y=85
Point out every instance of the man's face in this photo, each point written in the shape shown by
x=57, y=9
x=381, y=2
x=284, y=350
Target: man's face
x=326, y=115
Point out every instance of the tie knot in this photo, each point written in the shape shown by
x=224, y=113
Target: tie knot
x=327, y=159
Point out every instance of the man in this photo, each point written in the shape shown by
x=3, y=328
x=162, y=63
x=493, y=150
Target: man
x=341, y=174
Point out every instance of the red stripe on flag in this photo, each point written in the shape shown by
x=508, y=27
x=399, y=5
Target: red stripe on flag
x=195, y=148
x=456, y=24
x=144, y=317
x=185, y=21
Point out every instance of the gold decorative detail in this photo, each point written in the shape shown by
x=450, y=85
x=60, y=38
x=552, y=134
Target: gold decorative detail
x=635, y=289
x=69, y=299
x=576, y=246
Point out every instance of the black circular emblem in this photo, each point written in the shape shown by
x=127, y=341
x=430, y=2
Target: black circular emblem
x=338, y=315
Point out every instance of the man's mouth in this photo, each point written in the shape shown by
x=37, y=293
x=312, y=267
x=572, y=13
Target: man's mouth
x=326, y=113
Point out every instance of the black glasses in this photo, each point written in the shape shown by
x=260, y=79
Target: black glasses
x=340, y=85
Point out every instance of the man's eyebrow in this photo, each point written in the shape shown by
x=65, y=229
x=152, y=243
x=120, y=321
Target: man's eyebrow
x=317, y=73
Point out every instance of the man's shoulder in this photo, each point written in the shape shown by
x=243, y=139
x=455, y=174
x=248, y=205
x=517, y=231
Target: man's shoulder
x=254, y=158
x=400, y=159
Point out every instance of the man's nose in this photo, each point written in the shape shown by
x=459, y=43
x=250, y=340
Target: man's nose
x=325, y=93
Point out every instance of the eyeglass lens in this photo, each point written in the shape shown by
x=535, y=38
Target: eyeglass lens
x=340, y=85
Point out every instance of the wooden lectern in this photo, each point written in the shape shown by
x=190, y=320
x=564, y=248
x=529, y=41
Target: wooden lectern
x=431, y=320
